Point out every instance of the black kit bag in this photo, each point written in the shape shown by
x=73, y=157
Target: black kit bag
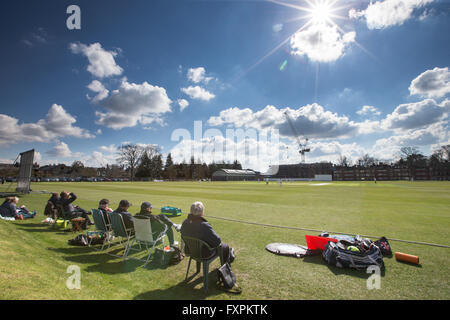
x=336, y=254
x=226, y=280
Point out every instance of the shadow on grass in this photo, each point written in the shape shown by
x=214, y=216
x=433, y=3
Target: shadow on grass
x=101, y=261
x=410, y=264
x=185, y=290
x=340, y=271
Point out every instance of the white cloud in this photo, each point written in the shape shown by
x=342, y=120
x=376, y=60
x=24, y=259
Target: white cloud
x=183, y=103
x=108, y=149
x=321, y=43
x=97, y=87
x=368, y=110
x=61, y=150
x=133, y=103
x=387, y=13
x=40, y=36
x=432, y=83
x=198, y=93
x=388, y=148
x=100, y=159
x=101, y=62
x=310, y=120
x=415, y=115
x=197, y=75
x=58, y=123
x=277, y=27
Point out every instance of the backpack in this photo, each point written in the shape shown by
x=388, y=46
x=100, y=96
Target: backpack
x=338, y=255
x=228, y=253
x=226, y=279
x=384, y=246
x=177, y=256
x=80, y=240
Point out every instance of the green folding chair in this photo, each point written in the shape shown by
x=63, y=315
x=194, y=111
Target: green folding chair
x=119, y=229
x=194, y=248
x=101, y=226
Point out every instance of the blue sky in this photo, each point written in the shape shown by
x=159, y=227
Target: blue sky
x=359, y=77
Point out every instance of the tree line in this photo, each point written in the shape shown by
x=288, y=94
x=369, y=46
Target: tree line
x=145, y=162
x=409, y=157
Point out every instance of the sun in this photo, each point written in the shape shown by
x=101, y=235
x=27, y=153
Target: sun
x=321, y=12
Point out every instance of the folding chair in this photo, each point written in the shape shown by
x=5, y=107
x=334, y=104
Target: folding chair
x=101, y=226
x=194, y=251
x=143, y=235
x=118, y=227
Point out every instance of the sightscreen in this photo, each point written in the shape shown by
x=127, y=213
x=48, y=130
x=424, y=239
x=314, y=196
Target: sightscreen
x=26, y=165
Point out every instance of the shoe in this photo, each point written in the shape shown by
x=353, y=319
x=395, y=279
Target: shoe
x=175, y=244
x=177, y=227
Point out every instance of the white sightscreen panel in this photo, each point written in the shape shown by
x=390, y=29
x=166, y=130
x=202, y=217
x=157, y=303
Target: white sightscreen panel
x=26, y=165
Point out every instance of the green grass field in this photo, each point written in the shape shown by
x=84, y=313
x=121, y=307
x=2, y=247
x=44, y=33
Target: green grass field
x=34, y=258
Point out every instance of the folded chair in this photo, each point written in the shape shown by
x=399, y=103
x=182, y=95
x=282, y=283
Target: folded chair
x=194, y=251
x=102, y=226
x=119, y=229
x=143, y=235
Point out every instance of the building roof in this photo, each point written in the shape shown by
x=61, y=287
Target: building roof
x=238, y=172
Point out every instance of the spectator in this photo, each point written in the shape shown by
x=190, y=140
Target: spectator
x=9, y=209
x=103, y=206
x=157, y=220
x=73, y=211
x=54, y=199
x=50, y=209
x=123, y=211
x=196, y=226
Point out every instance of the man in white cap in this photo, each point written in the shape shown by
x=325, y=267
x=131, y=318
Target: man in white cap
x=196, y=226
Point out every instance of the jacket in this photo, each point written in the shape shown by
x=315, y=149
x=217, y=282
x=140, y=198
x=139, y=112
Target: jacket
x=199, y=228
x=67, y=203
x=8, y=209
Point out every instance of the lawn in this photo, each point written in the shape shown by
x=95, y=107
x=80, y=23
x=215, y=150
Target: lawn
x=34, y=258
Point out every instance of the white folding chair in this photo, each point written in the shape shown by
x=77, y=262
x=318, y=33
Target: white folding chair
x=143, y=235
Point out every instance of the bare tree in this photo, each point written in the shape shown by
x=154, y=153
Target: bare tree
x=129, y=156
x=367, y=161
x=343, y=161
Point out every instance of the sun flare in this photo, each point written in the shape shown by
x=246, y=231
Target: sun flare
x=321, y=12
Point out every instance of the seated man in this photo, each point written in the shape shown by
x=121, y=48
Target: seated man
x=103, y=206
x=126, y=216
x=146, y=211
x=73, y=211
x=50, y=209
x=196, y=226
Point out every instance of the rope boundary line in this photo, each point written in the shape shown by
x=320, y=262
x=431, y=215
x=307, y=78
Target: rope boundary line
x=314, y=230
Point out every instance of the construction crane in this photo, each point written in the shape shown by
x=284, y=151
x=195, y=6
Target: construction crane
x=303, y=147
